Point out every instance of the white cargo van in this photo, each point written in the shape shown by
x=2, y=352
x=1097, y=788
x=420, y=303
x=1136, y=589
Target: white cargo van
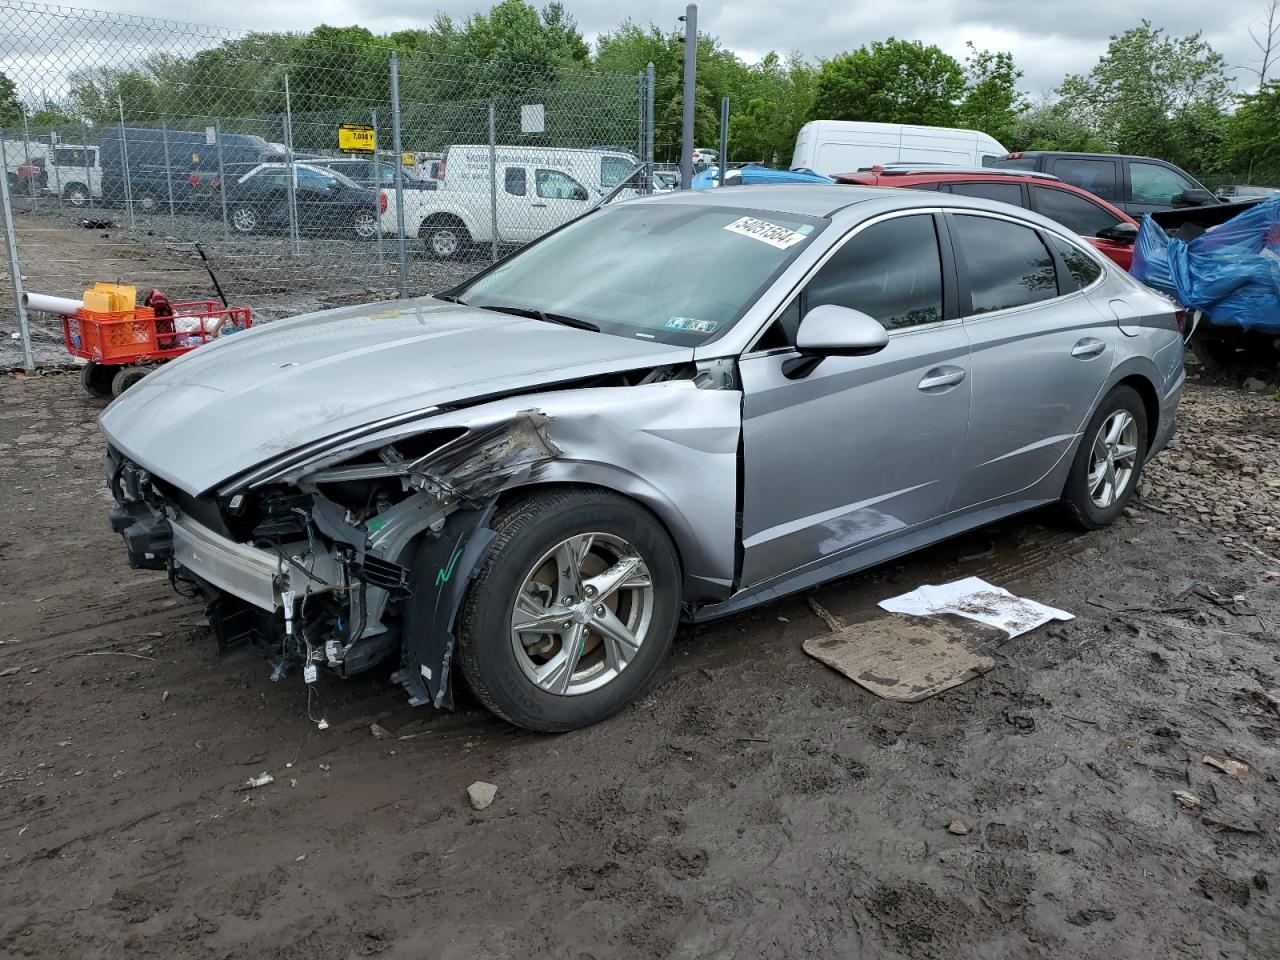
x=538, y=189
x=844, y=146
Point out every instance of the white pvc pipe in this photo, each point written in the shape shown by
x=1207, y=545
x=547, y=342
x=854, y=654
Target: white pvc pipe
x=47, y=304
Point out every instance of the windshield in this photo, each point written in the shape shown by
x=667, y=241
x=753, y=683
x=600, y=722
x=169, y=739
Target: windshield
x=665, y=272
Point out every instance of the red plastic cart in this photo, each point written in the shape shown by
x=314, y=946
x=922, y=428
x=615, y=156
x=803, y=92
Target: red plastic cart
x=123, y=347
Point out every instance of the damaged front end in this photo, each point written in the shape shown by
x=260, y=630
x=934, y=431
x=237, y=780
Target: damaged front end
x=326, y=562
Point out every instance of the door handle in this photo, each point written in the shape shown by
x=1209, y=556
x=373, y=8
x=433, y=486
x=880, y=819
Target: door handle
x=537, y=204
x=941, y=377
x=1088, y=347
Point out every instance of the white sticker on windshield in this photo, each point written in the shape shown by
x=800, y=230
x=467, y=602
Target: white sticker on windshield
x=765, y=232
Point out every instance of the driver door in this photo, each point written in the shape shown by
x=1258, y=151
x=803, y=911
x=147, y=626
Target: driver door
x=860, y=449
x=557, y=199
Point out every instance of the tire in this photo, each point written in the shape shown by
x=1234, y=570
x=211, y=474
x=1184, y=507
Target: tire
x=365, y=224
x=76, y=194
x=125, y=378
x=147, y=201
x=445, y=239
x=96, y=379
x=527, y=529
x=243, y=219
x=1092, y=498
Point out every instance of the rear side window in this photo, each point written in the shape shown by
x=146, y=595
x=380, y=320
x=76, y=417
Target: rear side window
x=1096, y=176
x=1082, y=267
x=1071, y=210
x=891, y=270
x=73, y=157
x=1013, y=163
x=985, y=190
x=1008, y=264
x=515, y=182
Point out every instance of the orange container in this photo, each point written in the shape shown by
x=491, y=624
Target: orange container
x=118, y=334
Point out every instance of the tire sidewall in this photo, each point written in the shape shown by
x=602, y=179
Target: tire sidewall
x=1076, y=494
x=486, y=640
x=449, y=231
x=244, y=231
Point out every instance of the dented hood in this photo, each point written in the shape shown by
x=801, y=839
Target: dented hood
x=250, y=397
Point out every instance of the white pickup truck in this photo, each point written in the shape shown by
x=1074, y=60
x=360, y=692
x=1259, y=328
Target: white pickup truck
x=538, y=189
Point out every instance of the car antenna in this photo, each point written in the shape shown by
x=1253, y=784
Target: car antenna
x=212, y=276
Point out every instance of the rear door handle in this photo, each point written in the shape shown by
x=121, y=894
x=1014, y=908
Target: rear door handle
x=1088, y=347
x=940, y=377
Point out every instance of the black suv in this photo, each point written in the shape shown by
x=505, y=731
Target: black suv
x=1136, y=185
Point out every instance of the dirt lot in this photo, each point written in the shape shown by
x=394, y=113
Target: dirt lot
x=756, y=804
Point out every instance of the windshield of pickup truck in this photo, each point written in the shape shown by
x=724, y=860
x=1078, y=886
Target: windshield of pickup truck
x=665, y=272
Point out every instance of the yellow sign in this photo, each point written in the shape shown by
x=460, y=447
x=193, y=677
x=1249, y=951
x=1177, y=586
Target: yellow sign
x=356, y=138
x=409, y=159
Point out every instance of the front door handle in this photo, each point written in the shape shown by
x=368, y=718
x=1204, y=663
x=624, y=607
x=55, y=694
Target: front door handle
x=537, y=204
x=1087, y=348
x=940, y=377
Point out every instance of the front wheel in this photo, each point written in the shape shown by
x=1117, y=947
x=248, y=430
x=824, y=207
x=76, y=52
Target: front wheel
x=571, y=613
x=445, y=241
x=76, y=194
x=244, y=219
x=1108, y=464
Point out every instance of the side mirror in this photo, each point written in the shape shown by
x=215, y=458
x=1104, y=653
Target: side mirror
x=1119, y=233
x=580, y=193
x=1194, y=197
x=834, y=331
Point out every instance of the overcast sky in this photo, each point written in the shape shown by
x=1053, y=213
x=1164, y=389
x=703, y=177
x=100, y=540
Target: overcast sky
x=1049, y=38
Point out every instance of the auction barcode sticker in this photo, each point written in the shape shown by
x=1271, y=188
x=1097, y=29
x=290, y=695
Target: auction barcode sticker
x=765, y=232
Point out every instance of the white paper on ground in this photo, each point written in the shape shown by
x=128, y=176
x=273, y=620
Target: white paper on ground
x=978, y=600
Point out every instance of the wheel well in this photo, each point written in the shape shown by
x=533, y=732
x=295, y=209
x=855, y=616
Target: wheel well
x=442, y=220
x=1150, y=403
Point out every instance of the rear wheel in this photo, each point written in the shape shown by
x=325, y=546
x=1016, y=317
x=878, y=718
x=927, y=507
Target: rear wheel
x=96, y=378
x=125, y=378
x=1107, y=466
x=571, y=613
x=365, y=224
x=76, y=194
x=445, y=239
x=147, y=201
x=243, y=219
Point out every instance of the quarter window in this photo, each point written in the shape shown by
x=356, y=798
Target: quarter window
x=1082, y=267
x=516, y=184
x=890, y=270
x=1096, y=176
x=1008, y=264
x=1153, y=183
x=986, y=190
x=1071, y=210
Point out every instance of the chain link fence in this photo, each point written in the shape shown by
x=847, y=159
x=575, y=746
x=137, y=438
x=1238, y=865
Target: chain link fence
x=311, y=172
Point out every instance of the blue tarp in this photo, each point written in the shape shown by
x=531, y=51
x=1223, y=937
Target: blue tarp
x=1231, y=272
x=754, y=173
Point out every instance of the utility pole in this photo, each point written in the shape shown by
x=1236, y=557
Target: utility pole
x=690, y=19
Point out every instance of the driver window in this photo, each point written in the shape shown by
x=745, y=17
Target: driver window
x=1152, y=183
x=554, y=185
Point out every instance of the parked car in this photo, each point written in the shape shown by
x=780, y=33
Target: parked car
x=327, y=203
x=1107, y=229
x=1136, y=185
x=375, y=174
x=535, y=475
x=538, y=189
x=835, y=146
x=1231, y=192
x=67, y=170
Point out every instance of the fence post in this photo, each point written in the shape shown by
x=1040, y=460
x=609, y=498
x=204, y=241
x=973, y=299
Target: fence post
x=690, y=94
x=15, y=268
x=395, y=135
x=222, y=176
x=293, y=172
x=650, y=122
x=724, y=139
x=168, y=175
x=26, y=152
x=84, y=153
x=124, y=153
x=641, y=102
x=377, y=185
x=493, y=182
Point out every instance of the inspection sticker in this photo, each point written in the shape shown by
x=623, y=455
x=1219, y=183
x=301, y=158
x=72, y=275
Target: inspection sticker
x=690, y=325
x=765, y=232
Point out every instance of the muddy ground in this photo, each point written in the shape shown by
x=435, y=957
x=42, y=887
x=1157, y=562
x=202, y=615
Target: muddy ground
x=755, y=804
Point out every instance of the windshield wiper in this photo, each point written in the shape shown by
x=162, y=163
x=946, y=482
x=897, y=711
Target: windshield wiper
x=450, y=299
x=533, y=313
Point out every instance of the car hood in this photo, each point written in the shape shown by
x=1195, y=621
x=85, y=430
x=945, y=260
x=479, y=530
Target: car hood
x=249, y=397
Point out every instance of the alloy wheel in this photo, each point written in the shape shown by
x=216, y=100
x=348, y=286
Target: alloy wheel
x=1113, y=459
x=444, y=243
x=244, y=220
x=581, y=614
x=365, y=224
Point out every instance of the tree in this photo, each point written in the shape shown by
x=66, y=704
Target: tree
x=1155, y=95
x=1049, y=126
x=10, y=106
x=770, y=108
x=891, y=81
x=1253, y=150
x=1267, y=40
x=992, y=102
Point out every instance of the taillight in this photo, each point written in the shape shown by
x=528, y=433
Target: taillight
x=382, y=201
x=440, y=170
x=1180, y=318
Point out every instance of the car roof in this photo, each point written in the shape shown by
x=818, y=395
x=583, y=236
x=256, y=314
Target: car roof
x=903, y=173
x=803, y=199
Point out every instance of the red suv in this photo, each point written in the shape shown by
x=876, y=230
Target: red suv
x=1108, y=229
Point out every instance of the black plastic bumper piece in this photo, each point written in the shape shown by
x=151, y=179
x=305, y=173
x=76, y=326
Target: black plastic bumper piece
x=148, y=537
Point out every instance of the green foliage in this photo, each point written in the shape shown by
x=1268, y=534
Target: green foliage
x=773, y=103
x=891, y=81
x=1049, y=126
x=10, y=107
x=992, y=102
x=1252, y=144
x=1155, y=95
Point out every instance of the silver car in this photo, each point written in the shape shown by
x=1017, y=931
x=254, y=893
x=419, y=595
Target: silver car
x=672, y=409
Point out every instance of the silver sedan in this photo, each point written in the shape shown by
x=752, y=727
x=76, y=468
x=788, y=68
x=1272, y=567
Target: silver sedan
x=676, y=408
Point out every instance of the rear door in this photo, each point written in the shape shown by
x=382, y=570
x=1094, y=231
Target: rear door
x=1097, y=175
x=860, y=448
x=1041, y=353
